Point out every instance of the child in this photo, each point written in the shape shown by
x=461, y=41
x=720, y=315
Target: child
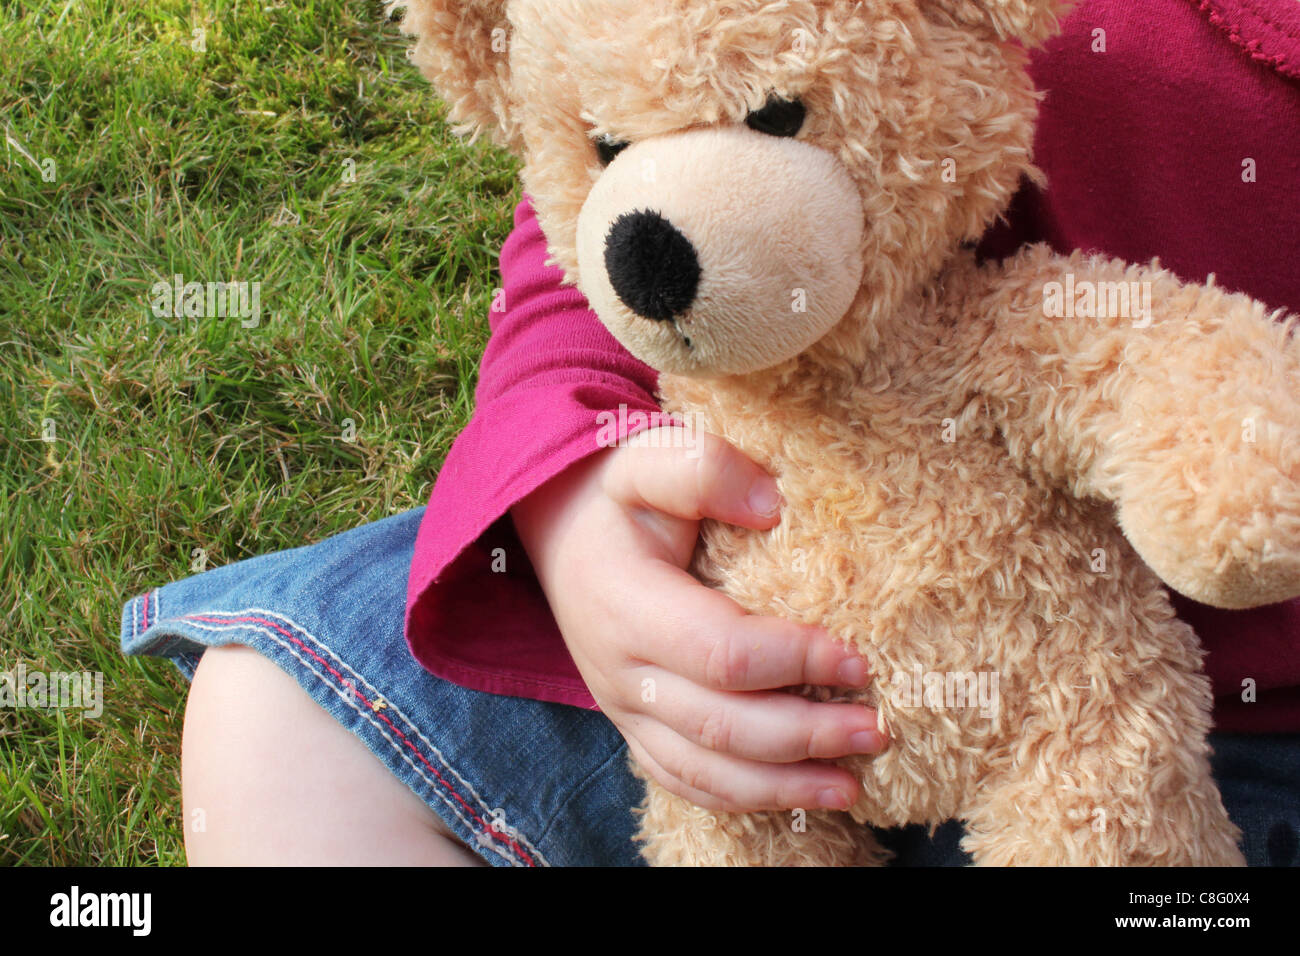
x=1182, y=148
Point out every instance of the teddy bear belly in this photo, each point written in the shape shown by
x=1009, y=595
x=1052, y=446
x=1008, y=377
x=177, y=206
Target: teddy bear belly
x=983, y=613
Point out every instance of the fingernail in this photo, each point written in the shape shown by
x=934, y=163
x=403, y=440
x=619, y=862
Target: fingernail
x=764, y=499
x=867, y=742
x=852, y=672
x=830, y=799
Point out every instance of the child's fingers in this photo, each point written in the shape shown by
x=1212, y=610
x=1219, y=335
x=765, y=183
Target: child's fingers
x=703, y=635
x=710, y=480
x=721, y=782
x=770, y=727
x=698, y=797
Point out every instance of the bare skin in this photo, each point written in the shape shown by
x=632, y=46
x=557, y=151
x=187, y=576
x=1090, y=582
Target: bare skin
x=274, y=780
x=279, y=781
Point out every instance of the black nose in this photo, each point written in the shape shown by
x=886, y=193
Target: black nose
x=652, y=266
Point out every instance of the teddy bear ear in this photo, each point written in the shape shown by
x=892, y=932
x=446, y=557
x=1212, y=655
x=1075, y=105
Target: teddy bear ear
x=1028, y=21
x=463, y=48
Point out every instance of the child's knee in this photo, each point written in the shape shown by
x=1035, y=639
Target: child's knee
x=268, y=776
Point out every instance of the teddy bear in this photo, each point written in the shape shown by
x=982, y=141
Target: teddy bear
x=991, y=470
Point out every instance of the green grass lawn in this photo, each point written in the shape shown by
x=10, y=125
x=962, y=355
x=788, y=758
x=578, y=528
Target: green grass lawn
x=290, y=144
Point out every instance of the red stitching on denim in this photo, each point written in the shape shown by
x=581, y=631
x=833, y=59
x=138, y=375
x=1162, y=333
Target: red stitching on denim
x=145, y=610
x=520, y=851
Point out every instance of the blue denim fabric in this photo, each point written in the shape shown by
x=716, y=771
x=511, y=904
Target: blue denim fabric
x=522, y=782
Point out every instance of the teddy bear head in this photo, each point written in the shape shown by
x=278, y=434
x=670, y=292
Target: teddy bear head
x=729, y=182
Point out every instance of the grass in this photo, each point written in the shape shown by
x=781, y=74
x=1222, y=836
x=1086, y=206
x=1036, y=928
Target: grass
x=287, y=144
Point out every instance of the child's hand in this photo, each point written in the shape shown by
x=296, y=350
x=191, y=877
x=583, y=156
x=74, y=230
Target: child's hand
x=683, y=672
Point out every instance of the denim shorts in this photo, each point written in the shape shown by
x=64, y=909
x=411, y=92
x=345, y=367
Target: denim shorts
x=521, y=782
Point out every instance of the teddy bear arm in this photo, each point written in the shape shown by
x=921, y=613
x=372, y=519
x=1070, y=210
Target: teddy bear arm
x=1181, y=407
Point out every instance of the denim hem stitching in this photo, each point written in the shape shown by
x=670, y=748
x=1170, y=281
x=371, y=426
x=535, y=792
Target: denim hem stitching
x=481, y=836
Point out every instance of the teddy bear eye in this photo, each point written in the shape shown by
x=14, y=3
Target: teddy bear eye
x=607, y=147
x=778, y=117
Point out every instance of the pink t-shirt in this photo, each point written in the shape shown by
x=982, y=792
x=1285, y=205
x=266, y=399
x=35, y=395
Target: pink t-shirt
x=1181, y=139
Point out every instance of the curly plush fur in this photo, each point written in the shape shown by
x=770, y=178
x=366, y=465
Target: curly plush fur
x=975, y=486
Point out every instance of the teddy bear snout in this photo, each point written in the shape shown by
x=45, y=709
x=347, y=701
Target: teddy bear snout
x=721, y=250
x=653, y=267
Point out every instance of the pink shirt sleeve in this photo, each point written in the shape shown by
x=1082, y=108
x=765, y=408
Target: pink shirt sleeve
x=475, y=613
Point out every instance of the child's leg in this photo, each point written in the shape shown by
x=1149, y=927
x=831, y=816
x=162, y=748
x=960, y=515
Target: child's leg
x=270, y=778
x=286, y=763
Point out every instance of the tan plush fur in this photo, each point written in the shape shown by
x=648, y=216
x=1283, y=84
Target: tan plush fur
x=977, y=487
